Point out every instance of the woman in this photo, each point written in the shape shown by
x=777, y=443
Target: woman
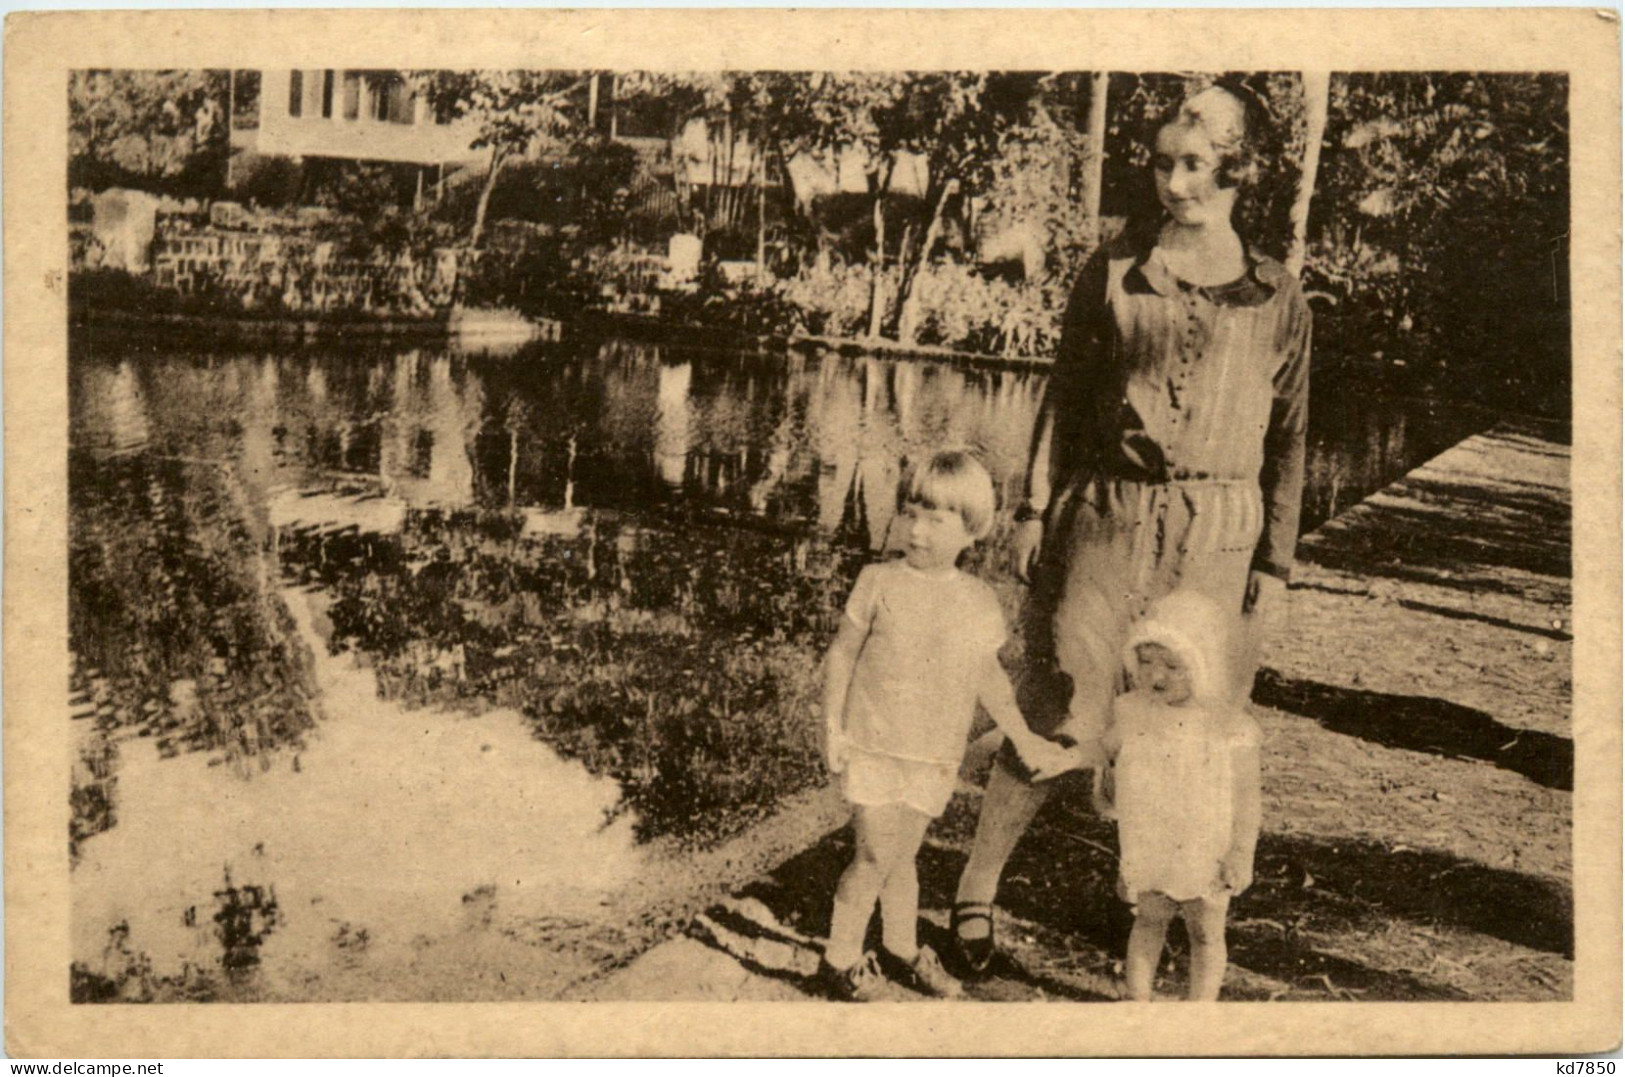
x=1169, y=453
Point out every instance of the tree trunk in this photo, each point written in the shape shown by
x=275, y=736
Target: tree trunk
x=478, y=231
x=513, y=463
x=1316, y=92
x=761, y=214
x=878, y=186
x=908, y=318
x=1095, y=164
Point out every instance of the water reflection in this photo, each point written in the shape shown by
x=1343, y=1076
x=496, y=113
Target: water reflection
x=626, y=556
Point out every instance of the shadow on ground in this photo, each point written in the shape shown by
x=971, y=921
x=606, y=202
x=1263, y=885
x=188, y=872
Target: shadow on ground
x=1455, y=534
x=1059, y=885
x=1422, y=724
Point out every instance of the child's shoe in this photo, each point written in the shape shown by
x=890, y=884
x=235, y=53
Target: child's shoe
x=924, y=974
x=860, y=983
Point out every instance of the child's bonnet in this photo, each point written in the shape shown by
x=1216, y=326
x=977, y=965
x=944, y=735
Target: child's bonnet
x=1192, y=626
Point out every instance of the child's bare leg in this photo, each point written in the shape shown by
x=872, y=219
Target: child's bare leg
x=1204, y=923
x=1151, y=919
x=900, y=894
x=880, y=832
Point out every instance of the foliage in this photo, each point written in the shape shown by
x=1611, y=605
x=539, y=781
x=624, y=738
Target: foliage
x=580, y=186
x=833, y=296
x=1441, y=229
x=156, y=130
x=968, y=311
x=748, y=309
x=267, y=180
x=535, y=275
x=1033, y=183
x=363, y=189
x=514, y=112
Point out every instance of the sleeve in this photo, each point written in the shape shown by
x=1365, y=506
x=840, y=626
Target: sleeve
x=1281, y=478
x=865, y=596
x=1059, y=432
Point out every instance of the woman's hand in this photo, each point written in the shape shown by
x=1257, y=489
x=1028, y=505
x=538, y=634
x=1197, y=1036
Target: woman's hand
x=1025, y=547
x=1266, y=601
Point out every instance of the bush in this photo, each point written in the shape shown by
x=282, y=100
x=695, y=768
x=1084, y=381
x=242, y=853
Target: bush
x=744, y=308
x=961, y=308
x=833, y=298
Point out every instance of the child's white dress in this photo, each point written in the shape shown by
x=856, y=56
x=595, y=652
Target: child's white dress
x=1175, y=789
x=929, y=641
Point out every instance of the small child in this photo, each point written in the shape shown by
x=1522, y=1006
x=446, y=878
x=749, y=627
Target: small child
x=1184, y=785
x=917, y=648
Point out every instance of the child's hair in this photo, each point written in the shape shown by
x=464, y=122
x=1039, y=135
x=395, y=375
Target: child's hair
x=956, y=481
x=1192, y=626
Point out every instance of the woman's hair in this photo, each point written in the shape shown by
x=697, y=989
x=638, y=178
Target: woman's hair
x=1234, y=119
x=1241, y=128
x=955, y=481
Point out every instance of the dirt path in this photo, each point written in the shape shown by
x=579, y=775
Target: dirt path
x=1418, y=776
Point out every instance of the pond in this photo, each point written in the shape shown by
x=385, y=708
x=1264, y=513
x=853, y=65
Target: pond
x=334, y=610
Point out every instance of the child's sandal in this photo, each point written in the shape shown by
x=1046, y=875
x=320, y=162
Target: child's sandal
x=974, y=955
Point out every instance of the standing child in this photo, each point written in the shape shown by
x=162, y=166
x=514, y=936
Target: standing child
x=917, y=648
x=1185, y=777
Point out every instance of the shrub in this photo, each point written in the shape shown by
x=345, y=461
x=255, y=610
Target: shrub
x=963, y=309
x=833, y=297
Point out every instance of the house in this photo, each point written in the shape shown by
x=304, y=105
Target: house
x=356, y=115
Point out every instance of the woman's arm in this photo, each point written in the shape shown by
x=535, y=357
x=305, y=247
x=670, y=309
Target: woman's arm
x=1059, y=427
x=1054, y=447
x=839, y=663
x=1281, y=478
x=1236, y=869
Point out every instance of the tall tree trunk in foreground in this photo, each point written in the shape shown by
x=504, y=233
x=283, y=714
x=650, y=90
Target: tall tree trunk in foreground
x=1094, y=164
x=1316, y=93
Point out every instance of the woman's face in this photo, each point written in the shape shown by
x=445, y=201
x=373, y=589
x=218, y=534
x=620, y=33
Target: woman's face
x=1187, y=172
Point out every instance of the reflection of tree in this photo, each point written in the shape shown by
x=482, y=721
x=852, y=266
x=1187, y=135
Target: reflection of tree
x=671, y=441
x=681, y=663
x=169, y=608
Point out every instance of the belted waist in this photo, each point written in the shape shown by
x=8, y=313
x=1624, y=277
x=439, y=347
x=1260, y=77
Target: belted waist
x=1177, y=478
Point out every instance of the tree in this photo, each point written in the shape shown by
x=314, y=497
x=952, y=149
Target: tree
x=952, y=119
x=1441, y=225
x=1316, y=91
x=1093, y=180
x=515, y=112
x=147, y=128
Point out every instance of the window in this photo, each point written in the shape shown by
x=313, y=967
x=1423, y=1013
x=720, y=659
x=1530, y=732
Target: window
x=296, y=87
x=392, y=100
x=327, y=95
x=352, y=94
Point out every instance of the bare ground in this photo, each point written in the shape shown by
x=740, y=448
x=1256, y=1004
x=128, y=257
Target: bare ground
x=1418, y=778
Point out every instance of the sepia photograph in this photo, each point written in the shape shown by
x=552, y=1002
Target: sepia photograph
x=820, y=533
